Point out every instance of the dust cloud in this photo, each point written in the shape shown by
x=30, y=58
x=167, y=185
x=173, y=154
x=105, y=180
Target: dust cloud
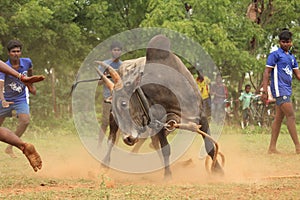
x=76, y=163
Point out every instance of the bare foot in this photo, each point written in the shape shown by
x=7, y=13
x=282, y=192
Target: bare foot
x=297, y=151
x=273, y=151
x=32, y=156
x=10, y=152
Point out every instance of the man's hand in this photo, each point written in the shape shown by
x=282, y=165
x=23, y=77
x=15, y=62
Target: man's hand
x=28, y=81
x=5, y=104
x=32, y=79
x=264, y=97
x=31, y=88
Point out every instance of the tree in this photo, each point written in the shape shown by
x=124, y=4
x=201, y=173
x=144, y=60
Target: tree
x=59, y=34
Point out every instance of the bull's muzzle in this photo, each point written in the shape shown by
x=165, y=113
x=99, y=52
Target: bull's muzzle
x=130, y=140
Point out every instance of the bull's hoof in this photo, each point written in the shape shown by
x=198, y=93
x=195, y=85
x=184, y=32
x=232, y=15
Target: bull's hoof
x=103, y=165
x=167, y=175
x=217, y=169
x=105, y=162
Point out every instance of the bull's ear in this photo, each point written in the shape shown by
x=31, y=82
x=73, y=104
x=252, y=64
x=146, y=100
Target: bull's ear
x=109, y=84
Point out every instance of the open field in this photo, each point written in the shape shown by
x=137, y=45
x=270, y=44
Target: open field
x=70, y=172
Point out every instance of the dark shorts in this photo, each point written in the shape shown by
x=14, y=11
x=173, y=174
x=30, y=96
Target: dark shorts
x=20, y=108
x=282, y=99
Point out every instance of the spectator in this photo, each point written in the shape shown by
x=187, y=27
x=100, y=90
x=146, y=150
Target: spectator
x=280, y=66
x=245, y=98
x=203, y=83
x=14, y=90
x=114, y=62
x=219, y=93
x=10, y=138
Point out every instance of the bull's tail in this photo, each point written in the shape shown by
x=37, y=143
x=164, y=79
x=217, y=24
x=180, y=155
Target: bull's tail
x=211, y=146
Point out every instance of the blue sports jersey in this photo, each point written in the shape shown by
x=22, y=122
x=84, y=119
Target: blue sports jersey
x=282, y=73
x=115, y=65
x=14, y=89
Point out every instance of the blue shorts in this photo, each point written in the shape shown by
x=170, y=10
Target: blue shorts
x=20, y=108
x=282, y=99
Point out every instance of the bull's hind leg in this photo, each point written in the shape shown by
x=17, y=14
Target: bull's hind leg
x=111, y=139
x=166, y=152
x=209, y=146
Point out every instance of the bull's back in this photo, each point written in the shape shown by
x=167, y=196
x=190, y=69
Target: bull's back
x=180, y=95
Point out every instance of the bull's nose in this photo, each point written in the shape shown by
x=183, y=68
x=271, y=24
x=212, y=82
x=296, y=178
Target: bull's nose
x=130, y=140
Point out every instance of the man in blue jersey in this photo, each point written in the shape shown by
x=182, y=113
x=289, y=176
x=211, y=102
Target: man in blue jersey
x=7, y=135
x=13, y=92
x=114, y=62
x=280, y=66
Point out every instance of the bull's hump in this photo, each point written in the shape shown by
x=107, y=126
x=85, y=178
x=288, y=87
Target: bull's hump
x=159, y=42
x=130, y=65
x=159, y=47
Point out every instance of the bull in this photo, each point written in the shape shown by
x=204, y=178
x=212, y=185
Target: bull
x=134, y=108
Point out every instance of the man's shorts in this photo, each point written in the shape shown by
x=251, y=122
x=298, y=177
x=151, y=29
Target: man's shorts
x=282, y=99
x=20, y=108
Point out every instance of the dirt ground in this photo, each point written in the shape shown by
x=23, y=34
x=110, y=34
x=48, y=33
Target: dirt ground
x=242, y=166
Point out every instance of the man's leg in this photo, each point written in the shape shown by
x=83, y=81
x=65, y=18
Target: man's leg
x=276, y=125
x=106, y=107
x=207, y=109
x=31, y=154
x=9, y=137
x=24, y=120
x=2, y=120
x=287, y=109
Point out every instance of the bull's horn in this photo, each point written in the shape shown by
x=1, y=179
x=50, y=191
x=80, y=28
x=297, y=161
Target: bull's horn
x=109, y=84
x=114, y=74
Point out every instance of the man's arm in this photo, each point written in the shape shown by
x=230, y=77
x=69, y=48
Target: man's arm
x=4, y=103
x=31, y=87
x=1, y=90
x=265, y=83
x=297, y=73
x=30, y=72
x=8, y=70
x=266, y=76
x=241, y=97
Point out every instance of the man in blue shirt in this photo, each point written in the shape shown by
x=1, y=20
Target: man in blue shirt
x=114, y=62
x=280, y=66
x=9, y=137
x=13, y=92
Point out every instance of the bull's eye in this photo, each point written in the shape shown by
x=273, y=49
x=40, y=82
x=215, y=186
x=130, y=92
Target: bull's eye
x=127, y=83
x=123, y=104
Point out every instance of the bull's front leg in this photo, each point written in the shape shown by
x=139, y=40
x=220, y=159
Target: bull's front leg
x=166, y=152
x=111, y=139
x=209, y=146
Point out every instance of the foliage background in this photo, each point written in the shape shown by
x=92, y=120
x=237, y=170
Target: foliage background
x=58, y=35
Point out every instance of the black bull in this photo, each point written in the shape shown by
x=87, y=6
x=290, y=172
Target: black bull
x=145, y=83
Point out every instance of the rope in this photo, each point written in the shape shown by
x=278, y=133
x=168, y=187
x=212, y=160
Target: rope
x=196, y=128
